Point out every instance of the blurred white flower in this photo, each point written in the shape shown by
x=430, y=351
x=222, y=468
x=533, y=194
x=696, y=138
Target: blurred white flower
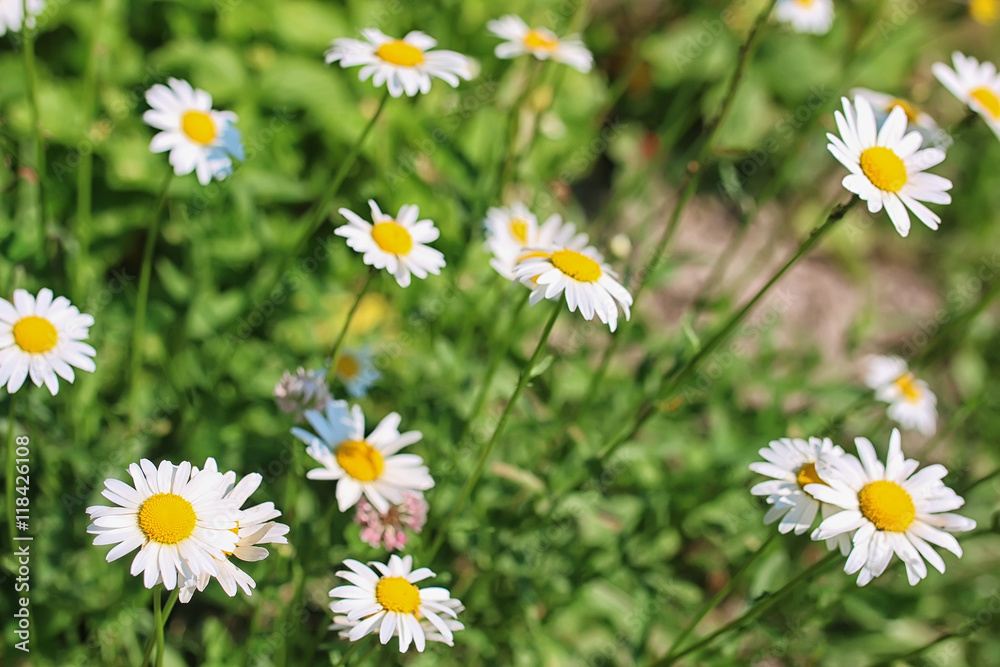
x=356, y=370
x=808, y=16
x=542, y=43
x=12, y=14
x=306, y=390
x=974, y=83
x=911, y=402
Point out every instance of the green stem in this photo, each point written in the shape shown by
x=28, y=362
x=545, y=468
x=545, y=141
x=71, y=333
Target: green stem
x=31, y=74
x=165, y=615
x=139, y=324
x=498, y=349
x=497, y=432
x=720, y=596
x=756, y=610
x=339, y=343
x=907, y=658
x=513, y=129
x=158, y=620
x=11, y=466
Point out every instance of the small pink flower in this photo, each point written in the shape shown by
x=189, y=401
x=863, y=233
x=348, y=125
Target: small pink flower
x=306, y=390
x=389, y=529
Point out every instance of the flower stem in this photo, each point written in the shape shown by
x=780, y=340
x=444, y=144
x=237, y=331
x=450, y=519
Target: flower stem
x=31, y=75
x=160, y=621
x=11, y=467
x=498, y=349
x=508, y=171
x=754, y=611
x=139, y=324
x=720, y=596
x=339, y=343
x=526, y=375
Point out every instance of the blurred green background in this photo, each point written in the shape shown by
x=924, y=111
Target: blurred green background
x=611, y=573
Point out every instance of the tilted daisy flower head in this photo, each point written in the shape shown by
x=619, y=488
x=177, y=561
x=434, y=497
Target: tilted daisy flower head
x=579, y=272
x=887, y=165
x=916, y=119
x=199, y=138
x=911, y=402
x=387, y=601
x=404, y=65
x=306, y=390
x=890, y=509
x=12, y=14
x=542, y=43
x=363, y=466
x=255, y=526
x=42, y=338
x=181, y=521
x=809, y=16
x=974, y=83
x=513, y=235
x=356, y=371
x=791, y=462
x=397, y=245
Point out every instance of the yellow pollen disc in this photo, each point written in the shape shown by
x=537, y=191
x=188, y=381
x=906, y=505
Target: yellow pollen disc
x=397, y=594
x=989, y=100
x=35, y=335
x=167, y=518
x=347, y=366
x=199, y=127
x=884, y=168
x=398, y=52
x=887, y=505
x=360, y=460
x=984, y=12
x=519, y=230
x=392, y=237
x=912, y=113
x=577, y=266
x=907, y=384
x=535, y=39
x=807, y=475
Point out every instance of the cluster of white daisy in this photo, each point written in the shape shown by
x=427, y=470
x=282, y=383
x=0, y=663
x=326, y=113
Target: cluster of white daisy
x=870, y=510
x=186, y=524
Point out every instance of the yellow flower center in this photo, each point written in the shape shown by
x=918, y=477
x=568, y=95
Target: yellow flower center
x=398, y=52
x=199, y=127
x=988, y=100
x=35, y=335
x=984, y=12
x=360, y=460
x=167, y=518
x=576, y=266
x=397, y=594
x=347, y=366
x=884, y=168
x=805, y=3
x=887, y=505
x=519, y=230
x=392, y=237
x=907, y=384
x=536, y=39
x=807, y=475
x=912, y=112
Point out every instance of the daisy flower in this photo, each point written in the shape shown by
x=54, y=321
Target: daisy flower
x=306, y=390
x=887, y=168
x=974, y=83
x=580, y=273
x=395, y=244
x=889, y=509
x=388, y=602
x=181, y=521
x=12, y=14
x=513, y=234
x=356, y=371
x=916, y=119
x=41, y=338
x=404, y=65
x=199, y=139
x=255, y=526
x=911, y=403
x=389, y=528
x=342, y=625
x=809, y=16
x=791, y=463
x=539, y=42
x=367, y=466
